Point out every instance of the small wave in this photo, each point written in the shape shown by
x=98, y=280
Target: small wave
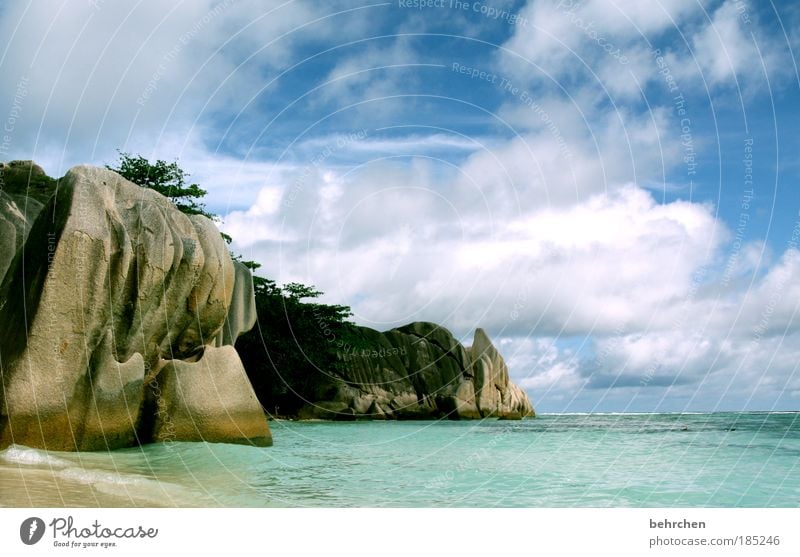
x=122, y=485
x=133, y=487
x=19, y=454
x=91, y=477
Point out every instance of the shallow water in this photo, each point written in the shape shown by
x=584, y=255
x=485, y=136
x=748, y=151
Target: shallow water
x=597, y=460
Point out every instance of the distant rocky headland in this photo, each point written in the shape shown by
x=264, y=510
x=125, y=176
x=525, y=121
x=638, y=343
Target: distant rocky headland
x=119, y=320
x=419, y=371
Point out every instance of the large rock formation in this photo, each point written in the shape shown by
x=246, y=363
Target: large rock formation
x=420, y=371
x=117, y=316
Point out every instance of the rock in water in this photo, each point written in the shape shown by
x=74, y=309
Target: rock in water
x=111, y=325
x=421, y=371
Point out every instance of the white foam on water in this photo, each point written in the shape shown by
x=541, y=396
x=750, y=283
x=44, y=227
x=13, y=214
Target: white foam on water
x=91, y=477
x=134, y=487
x=19, y=454
x=119, y=484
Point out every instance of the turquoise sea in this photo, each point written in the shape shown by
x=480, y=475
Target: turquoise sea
x=592, y=460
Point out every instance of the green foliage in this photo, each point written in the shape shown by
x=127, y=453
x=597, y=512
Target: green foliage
x=167, y=178
x=291, y=357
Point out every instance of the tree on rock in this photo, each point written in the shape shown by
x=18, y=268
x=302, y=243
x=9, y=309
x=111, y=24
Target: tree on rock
x=291, y=357
x=167, y=178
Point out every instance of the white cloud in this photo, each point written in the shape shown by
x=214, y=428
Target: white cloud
x=101, y=77
x=377, y=70
x=600, y=41
x=537, y=364
x=630, y=18
x=729, y=49
x=606, y=46
x=722, y=48
x=416, y=248
x=561, y=158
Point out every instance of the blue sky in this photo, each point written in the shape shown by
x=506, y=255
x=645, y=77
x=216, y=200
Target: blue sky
x=609, y=187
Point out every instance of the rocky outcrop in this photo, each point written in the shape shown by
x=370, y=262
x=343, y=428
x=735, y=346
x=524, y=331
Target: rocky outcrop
x=24, y=187
x=420, y=371
x=118, y=317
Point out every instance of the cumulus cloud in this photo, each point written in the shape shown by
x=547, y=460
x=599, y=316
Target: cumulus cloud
x=732, y=49
x=417, y=249
x=609, y=47
x=561, y=155
x=704, y=351
x=569, y=40
x=100, y=77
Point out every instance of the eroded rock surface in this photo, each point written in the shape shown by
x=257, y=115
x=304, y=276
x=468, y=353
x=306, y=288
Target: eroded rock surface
x=111, y=325
x=421, y=371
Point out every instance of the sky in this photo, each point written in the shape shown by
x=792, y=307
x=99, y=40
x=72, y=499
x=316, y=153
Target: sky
x=608, y=187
